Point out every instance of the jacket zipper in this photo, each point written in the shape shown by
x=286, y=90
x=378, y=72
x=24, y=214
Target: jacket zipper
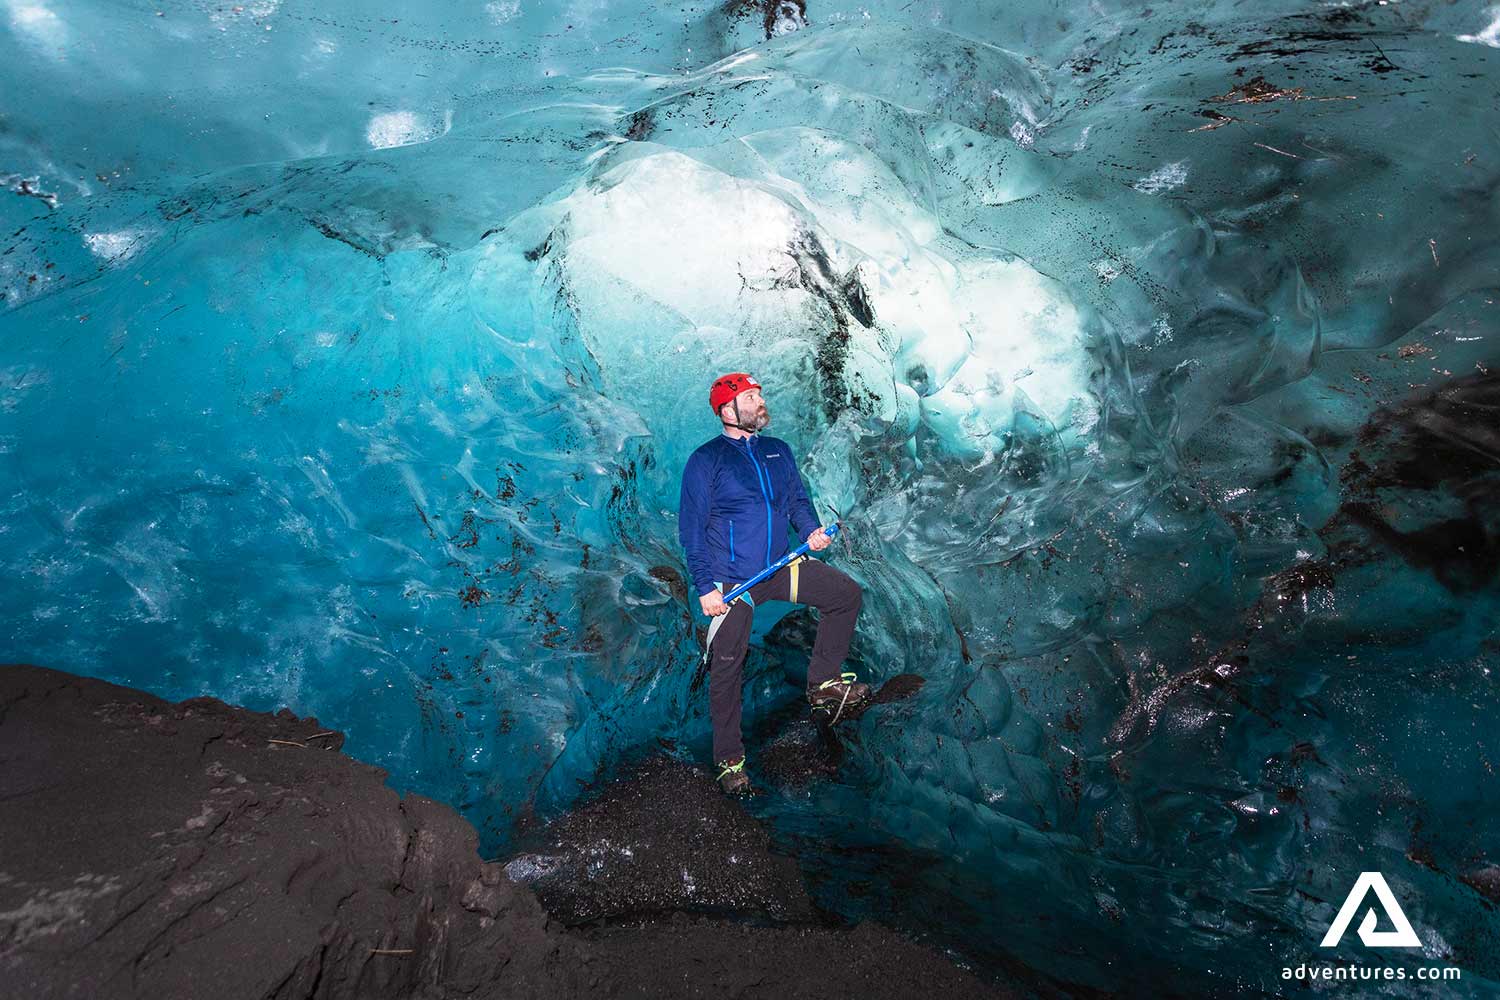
x=763, y=496
x=731, y=541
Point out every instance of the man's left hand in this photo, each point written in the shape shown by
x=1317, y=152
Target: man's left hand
x=818, y=541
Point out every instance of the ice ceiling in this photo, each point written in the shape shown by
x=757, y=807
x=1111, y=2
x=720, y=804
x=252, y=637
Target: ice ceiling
x=350, y=355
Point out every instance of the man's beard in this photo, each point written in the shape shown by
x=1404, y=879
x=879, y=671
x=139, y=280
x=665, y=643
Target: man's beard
x=756, y=420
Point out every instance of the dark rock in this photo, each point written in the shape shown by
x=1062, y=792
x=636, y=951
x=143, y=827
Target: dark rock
x=196, y=849
x=704, y=958
x=898, y=688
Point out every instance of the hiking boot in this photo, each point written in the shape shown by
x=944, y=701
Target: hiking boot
x=837, y=695
x=732, y=778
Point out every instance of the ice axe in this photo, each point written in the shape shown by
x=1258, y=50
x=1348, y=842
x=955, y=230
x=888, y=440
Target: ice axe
x=740, y=591
x=800, y=550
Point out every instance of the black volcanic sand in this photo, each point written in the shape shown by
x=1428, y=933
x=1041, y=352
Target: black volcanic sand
x=189, y=850
x=661, y=838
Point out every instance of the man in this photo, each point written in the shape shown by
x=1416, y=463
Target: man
x=740, y=493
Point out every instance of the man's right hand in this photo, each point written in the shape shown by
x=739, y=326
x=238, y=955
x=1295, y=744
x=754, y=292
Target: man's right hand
x=713, y=604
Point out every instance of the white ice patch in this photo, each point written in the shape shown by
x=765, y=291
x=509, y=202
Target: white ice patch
x=673, y=264
x=406, y=128
x=1161, y=330
x=1159, y=333
x=117, y=246
x=251, y=14
x=1489, y=36
x=1173, y=175
x=501, y=11
x=683, y=235
x=37, y=23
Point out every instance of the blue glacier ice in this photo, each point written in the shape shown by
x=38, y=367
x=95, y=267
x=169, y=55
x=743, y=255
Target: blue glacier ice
x=1150, y=353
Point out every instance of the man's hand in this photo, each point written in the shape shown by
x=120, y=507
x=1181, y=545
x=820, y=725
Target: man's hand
x=818, y=540
x=713, y=604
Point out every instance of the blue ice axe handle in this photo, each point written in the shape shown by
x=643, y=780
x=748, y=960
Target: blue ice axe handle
x=734, y=594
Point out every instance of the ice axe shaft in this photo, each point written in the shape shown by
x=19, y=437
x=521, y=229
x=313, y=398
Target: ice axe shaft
x=737, y=592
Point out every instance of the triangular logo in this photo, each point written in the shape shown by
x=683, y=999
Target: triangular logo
x=1402, y=937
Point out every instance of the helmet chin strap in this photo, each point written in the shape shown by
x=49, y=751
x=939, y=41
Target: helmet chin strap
x=737, y=417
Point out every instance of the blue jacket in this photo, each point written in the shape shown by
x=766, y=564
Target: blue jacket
x=738, y=498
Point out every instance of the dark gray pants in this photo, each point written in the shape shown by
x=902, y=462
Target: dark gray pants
x=837, y=598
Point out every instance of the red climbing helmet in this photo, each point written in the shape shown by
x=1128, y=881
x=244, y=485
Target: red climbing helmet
x=726, y=387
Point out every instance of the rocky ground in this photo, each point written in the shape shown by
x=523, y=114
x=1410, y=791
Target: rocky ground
x=658, y=839
x=151, y=849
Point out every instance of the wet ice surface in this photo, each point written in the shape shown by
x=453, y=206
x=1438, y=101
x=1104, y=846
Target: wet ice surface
x=349, y=362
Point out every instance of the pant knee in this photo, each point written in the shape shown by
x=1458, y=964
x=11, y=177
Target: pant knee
x=848, y=596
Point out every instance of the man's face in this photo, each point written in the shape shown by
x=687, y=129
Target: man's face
x=752, y=409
